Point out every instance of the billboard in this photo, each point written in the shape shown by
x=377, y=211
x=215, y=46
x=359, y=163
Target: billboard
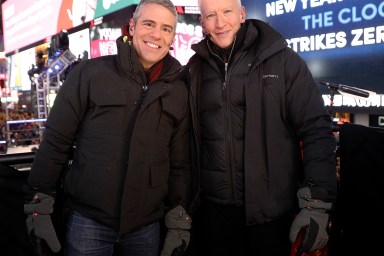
x=341, y=40
x=188, y=32
x=28, y=21
x=18, y=65
x=107, y=29
x=108, y=6
x=79, y=44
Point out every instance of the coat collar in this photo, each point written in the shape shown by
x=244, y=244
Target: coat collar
x=130, y=65
x=257, y=34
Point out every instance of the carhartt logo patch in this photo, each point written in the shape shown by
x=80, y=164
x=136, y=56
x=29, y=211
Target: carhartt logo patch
x=270, y=76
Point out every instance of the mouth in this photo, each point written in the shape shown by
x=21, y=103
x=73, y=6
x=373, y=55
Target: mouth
x=152, y=45
x=223, y=33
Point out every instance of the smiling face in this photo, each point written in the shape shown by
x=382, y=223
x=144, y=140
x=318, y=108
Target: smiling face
x=153, y=33
x=221, y=19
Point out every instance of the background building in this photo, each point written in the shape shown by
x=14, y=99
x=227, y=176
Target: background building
x=41, y=40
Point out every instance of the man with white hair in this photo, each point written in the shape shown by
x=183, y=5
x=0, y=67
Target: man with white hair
x=267, y=152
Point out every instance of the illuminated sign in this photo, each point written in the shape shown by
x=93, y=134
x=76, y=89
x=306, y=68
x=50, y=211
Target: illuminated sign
x=108, y=6
x=103, y=40
x=79, y=44
x=380, y=121
x=28, y=21
x=184, y=2
x=188, y=32
x=342, y=41
x=348, y=101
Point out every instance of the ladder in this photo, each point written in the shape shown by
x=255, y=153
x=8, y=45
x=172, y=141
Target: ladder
x=48, y=82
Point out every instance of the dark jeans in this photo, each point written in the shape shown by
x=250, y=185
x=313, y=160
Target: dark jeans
x=221, y=230
x=87, y=237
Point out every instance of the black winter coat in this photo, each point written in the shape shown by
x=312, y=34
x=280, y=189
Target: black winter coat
x=93, y=109
x=258, y=161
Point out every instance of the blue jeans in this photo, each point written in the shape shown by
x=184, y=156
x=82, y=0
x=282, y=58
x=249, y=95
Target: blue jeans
x=87, y=237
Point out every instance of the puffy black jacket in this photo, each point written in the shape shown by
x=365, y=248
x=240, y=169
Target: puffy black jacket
x=93, y=108
x=249, y=121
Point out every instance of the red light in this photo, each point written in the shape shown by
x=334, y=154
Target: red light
x=180, y=10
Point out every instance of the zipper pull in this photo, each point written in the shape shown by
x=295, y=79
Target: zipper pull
x=144, y=91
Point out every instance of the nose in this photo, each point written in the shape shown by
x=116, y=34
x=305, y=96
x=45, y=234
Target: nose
x=220, y=21
x=156, y=32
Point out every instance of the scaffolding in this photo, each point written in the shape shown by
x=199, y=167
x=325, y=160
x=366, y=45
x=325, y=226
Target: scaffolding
x=49, y=82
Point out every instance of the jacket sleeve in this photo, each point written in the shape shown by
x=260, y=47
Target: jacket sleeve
x=60, y=132
x=179, y=182
x=313, y=124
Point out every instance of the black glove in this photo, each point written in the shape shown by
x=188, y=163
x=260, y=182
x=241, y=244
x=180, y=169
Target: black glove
x=177, y=239
x=39, y=223
x=313, y=219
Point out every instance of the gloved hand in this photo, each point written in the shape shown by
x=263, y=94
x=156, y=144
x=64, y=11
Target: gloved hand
x=39, y=223
x=313, y=220
x=178, y=223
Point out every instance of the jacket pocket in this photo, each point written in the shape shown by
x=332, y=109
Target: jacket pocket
x=174, y=107
x=107, y=112
x=158, y=189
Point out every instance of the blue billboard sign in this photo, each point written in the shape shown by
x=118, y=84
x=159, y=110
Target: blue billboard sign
x=341, y=40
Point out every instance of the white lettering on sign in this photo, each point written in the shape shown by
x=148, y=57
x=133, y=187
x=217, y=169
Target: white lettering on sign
x=380, y=121
x=109, y=33
x=107, y=48
x=280, y=7
x=346, y=101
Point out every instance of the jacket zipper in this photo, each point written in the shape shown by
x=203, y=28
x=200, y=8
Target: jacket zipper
x=228, y=124
x=143, y=94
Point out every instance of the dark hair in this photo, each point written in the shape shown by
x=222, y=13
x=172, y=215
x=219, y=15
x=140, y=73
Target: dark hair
x=165, y=3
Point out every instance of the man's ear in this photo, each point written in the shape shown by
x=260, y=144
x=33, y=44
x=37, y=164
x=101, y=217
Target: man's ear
x=131, y=27
x=202, y=25
x=242, y=14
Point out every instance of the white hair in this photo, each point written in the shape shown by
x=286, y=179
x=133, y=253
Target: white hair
x=199, y=3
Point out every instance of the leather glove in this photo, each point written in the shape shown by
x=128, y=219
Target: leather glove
x=313, y=221
x=39, y=223
x=177, y=239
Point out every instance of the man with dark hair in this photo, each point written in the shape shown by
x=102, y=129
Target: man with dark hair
x=128, y=116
